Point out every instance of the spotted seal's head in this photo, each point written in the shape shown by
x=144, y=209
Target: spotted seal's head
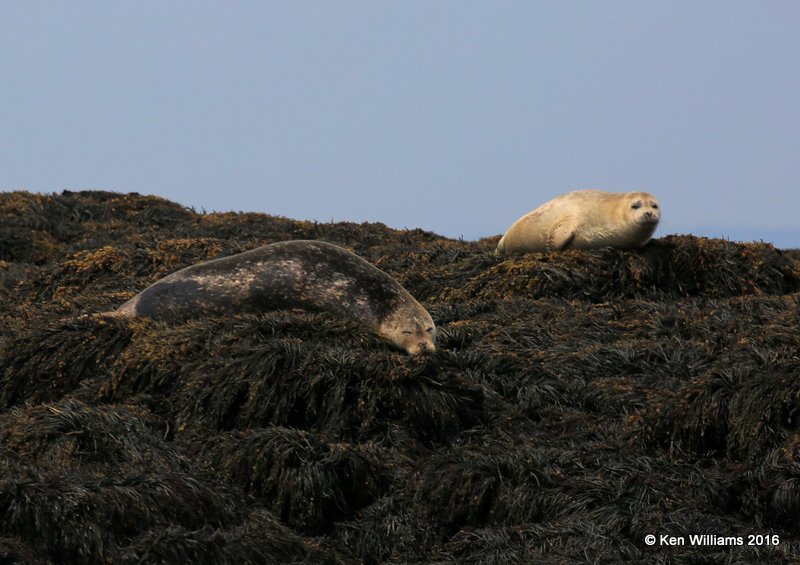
x=411, y=328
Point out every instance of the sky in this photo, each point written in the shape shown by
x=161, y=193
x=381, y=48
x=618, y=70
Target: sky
x=451, y=116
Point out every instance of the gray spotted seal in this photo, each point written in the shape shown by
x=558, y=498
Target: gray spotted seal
x=310, y=275
x=585, y=219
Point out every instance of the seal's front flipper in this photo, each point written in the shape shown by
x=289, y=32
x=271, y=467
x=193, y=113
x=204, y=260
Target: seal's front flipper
x=562, y=236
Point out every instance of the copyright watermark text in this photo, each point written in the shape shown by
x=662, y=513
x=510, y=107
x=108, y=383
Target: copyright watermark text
x=711, y=540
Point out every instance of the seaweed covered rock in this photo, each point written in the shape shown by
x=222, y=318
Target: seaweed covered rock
x=309, y=483
x=87, y=484
x=671, y=267
x=577, y=402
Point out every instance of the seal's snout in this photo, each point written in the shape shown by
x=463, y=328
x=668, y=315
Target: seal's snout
x=649, y=217
x=422, y=348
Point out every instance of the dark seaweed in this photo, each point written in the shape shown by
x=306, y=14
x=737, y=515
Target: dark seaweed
x=578, y=401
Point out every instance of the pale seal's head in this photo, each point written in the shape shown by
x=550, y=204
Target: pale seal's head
x=643, y=208
x=411, y=328
x=643, y=211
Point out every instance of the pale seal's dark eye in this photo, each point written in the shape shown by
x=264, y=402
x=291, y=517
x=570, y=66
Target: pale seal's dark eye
x=655, y=206
x=636, y=205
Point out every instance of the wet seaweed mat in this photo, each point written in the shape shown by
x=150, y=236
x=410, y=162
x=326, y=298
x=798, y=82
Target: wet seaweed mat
x=578, y=401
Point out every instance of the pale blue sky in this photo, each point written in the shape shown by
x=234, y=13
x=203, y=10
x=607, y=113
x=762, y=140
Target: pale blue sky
x=452, y=116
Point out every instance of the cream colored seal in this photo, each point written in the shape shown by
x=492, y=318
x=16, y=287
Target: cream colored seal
x=585, y=219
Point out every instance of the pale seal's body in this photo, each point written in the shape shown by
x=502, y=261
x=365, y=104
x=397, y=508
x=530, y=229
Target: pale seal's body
x=310, y=275
x=585, y=219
